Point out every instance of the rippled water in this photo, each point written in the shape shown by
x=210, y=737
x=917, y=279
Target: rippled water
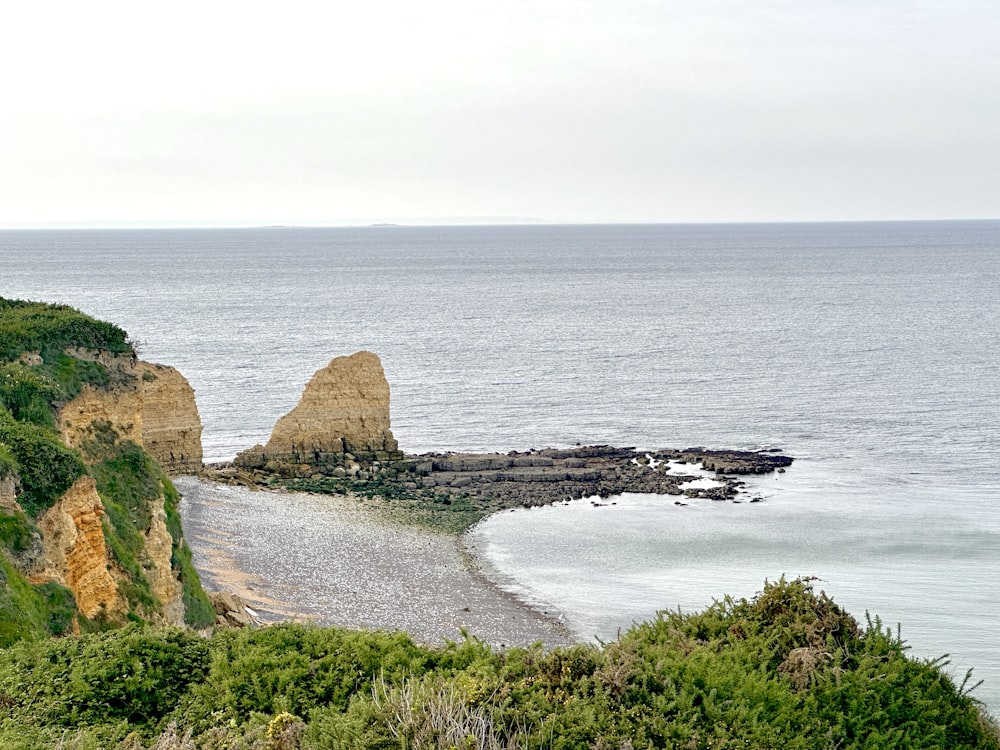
x=869, y=351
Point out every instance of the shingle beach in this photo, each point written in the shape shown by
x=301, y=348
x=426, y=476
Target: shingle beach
x=332, y=560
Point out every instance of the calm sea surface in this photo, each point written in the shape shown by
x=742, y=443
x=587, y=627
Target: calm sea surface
x=869, y=351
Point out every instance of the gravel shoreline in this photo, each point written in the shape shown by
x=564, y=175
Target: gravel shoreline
x=340, y=561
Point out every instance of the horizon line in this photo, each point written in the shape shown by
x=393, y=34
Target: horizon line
x=429, y=222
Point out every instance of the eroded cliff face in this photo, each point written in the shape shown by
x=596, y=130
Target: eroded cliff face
x=74, y=553
x=171, y=426
x=343, y=412
x=159, y=548
x=71, y=549
x=154, y=407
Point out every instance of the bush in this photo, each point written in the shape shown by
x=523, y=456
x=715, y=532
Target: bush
x=16, y=531
x=134, y=675
x=27, y=394
x=295, y=668
x=47, y=468
x=51, y=329
x=30, y=612
x=787, y=669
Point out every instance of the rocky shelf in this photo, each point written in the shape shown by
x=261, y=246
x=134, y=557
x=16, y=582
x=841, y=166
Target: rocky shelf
x=493, y=481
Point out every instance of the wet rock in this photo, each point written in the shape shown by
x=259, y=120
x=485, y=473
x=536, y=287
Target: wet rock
x=230, y=610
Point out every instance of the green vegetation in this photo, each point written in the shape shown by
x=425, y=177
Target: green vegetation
x=52, y=329
x=788, y=669
x=29, y=612
x=47, y=468
x=198, y=609
x=130, y=483
x=27, y=394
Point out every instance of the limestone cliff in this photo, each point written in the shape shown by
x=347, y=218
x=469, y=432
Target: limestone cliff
x=75, y=554
x=171, y=427
x=343, y=410
x=153, y=406
x=162, y=577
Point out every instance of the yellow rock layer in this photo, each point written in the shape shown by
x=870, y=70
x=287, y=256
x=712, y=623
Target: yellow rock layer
x=345, y=406
x=156, y=410
x=75, y=553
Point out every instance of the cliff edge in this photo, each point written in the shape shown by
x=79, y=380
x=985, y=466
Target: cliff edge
x=151, y=405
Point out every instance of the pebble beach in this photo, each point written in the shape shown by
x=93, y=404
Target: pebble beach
x=339, y=560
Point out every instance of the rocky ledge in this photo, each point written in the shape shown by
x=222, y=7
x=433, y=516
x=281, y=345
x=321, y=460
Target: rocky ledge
x=493, y=481
x=552, y=475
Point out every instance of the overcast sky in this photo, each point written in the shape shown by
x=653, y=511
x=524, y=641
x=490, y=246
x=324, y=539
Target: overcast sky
x=625, y=110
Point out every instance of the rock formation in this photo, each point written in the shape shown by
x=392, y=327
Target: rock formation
x=159, y=570
x=9, y=487
x=153, y=406
x=231, y=611
x=171, y=427
x=74, y=551
x=342, y=418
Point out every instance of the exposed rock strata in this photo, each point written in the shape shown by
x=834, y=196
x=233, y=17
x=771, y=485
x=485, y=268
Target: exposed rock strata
x=552, y=475
x=340, y=431
x=151, y=405
x=74, y=551
x=504, y=480
x=341, y=422
x=165, y=584
x=171, y=426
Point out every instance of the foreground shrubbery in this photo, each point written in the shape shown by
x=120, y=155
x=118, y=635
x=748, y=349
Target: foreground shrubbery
x=788, y=669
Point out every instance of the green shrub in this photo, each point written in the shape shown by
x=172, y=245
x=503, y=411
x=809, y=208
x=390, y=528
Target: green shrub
x=51, y=329
x=16, y=531
x=47, y=468
x=294, y=668
x=19, y=616
x=787, y=669
x=70, y=374
x=125, y=474
x=135, y=675
x=27, y=394
x=29, y=612
x=58, y=606
x=7, y=462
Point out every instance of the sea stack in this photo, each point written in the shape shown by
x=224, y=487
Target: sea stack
x=341, y=419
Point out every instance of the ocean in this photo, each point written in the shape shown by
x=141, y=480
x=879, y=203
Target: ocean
x=869, y=351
